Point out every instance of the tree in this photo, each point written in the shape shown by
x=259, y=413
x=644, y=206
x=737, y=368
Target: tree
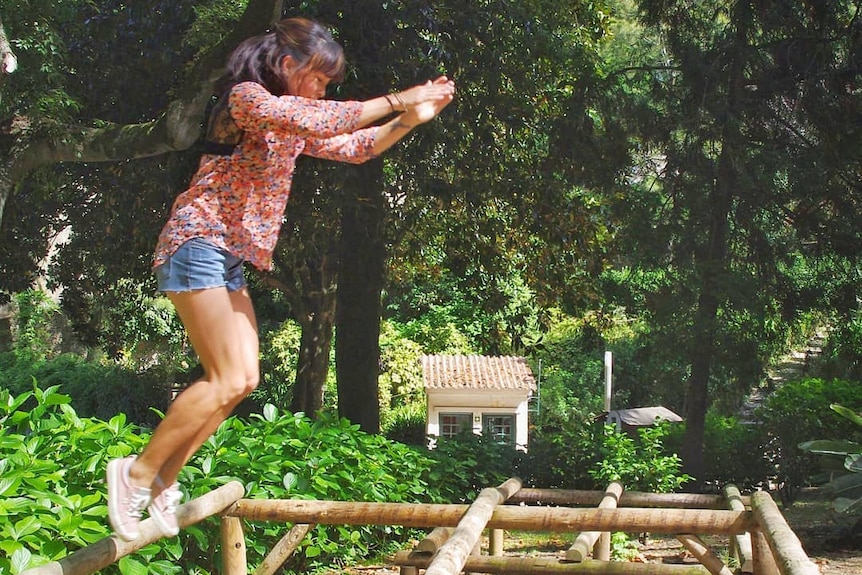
x=739, y=127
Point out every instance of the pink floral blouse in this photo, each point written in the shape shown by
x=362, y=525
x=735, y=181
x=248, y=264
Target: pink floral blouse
x=237, y=201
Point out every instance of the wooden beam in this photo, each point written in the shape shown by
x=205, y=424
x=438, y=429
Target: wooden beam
x=109, y=550
x=702, y=552
x=547, y=519
x=452, y=555
x=785, y=546
x=586, y=540
x=577, y=497
x=549, y=566
x=283, y=549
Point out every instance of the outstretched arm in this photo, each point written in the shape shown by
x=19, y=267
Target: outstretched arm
x=417, y=112
x=439, y=89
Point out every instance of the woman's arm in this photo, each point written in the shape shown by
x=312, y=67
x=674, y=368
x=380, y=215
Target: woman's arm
x=391, y=132
x=441, y=88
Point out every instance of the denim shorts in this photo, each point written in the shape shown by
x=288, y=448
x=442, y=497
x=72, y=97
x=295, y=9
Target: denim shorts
x=199, y=264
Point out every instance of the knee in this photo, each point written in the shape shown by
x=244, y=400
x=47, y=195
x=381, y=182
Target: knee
x=238, y=388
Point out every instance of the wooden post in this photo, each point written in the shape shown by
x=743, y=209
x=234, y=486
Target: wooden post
x=740, y=543
x=495, y=542
x=109, y=550
x=786, y=548
x=704, y=554
x=283, y=549
x=550, y=566
x=452, y=555
x=763, y=563
x=586, y=540
x=427, y=547
x=233, y=547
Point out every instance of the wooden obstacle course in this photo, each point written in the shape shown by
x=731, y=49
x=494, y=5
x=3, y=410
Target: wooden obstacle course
x=761, y=539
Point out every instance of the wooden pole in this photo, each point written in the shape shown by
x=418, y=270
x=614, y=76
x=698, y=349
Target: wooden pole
x=763, y=563
x=526, y=518
x=283, y=549
x=432, y=542
x=234, y=557
x=110, y=549
x=495, y=542
x=742, y=541
x=550, y=566
x=577, y=497
x=586, y=540
x=452, y=555
x=427, y=547
x=704, y=554
x=786, y=548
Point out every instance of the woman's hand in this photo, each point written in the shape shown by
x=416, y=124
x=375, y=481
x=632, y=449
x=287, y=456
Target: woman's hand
x=439, y=89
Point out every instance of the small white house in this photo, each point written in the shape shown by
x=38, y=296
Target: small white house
x=485, y=394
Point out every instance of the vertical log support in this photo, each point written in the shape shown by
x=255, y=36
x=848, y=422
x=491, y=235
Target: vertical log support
x=233, y=546
x=452, y=556
x=495, y=542
x=741, y=543
x=587, y=540
x=786, y=547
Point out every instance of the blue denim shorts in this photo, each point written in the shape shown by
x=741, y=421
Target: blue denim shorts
x=199, y=264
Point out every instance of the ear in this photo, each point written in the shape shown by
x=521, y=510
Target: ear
x=288, y=65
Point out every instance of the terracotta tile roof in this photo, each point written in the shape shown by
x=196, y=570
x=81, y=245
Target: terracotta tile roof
x=477, y=372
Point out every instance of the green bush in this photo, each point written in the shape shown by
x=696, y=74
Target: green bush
x=406, y=424
x=96, y=389
x=797, y=412
x=640, y=463
x=52, y=494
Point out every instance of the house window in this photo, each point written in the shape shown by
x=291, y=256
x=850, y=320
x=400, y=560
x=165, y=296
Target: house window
x=451, y=424
x=500, y=428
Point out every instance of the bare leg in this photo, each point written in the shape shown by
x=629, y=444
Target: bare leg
x=223, y=331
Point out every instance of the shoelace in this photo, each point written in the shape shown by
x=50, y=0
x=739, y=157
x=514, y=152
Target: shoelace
x=136, y=502
x=172, y=497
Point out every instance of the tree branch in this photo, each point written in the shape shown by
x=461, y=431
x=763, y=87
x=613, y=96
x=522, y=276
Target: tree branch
x=177, y=128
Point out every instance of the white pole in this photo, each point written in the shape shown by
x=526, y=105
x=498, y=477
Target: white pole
x=608, y=379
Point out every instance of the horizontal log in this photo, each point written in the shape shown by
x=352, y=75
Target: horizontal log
x=549, y=566
x=628, y=499
x=545, y=519
x=110, y=549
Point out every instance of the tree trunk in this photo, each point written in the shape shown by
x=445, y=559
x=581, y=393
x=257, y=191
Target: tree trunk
x=358, y=311
x=313, y=363
x=711, y=263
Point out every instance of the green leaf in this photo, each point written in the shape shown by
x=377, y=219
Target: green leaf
x=831, y=447
x=270, y=412
x=312, y=551
x=847, y=413
x=21, y=560
x=129, y=566
x=854, y=463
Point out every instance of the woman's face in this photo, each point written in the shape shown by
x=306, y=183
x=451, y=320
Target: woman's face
x=305, y=83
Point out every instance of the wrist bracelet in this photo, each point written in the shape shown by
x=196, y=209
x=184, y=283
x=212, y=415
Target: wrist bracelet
x=400, y=101
x=391, y=105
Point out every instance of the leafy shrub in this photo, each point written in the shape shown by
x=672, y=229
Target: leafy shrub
x=52, y=493
x=406, y=424
x=96, y=390
x=734, y=451
x=467, y=463
x=561, y=454
x=798, y=411
x=640, y=463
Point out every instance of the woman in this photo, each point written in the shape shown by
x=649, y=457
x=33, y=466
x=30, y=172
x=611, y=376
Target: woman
x=232, y=213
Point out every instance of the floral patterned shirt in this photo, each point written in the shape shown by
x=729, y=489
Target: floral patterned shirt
x=237, y=201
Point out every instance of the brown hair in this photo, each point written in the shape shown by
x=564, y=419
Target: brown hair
x=258, y=59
